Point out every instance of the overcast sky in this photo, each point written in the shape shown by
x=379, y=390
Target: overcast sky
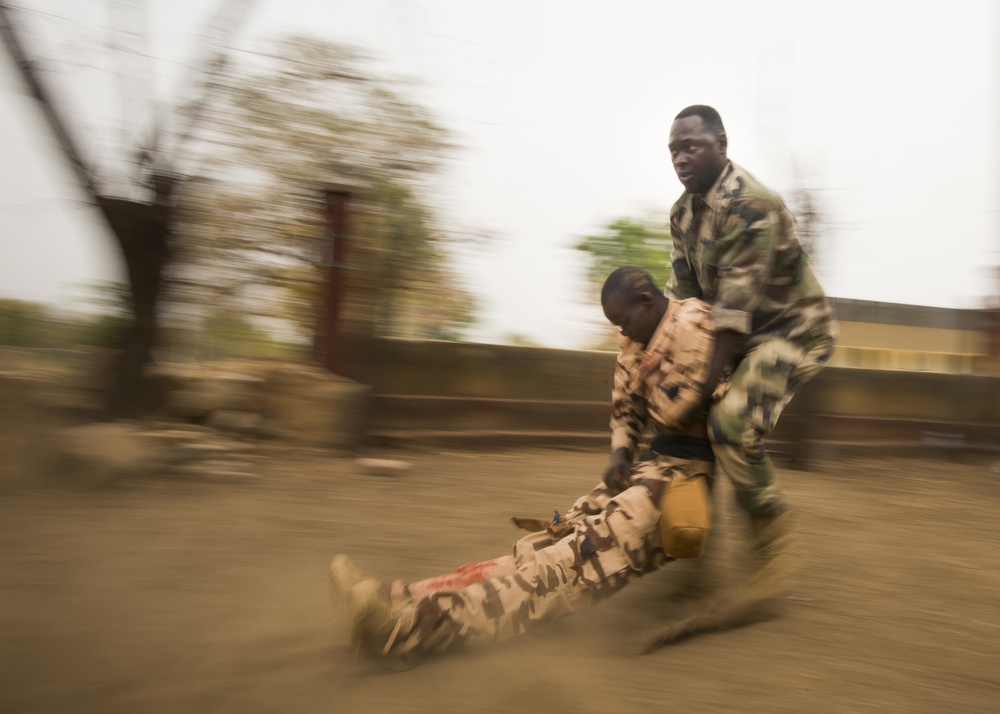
x=888, y=110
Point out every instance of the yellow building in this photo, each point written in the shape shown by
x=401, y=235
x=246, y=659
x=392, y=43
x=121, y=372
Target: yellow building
x=879, y=335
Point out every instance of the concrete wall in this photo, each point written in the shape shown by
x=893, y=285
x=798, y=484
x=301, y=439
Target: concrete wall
x=457, y=369
x=453, y=369
x=927, y=396
x=444, y=385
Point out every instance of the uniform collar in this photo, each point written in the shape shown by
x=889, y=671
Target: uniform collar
x=711, y=196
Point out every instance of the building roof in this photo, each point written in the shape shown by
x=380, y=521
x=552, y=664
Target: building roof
x=887, y=313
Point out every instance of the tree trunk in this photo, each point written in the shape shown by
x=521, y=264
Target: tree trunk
x=143, y=232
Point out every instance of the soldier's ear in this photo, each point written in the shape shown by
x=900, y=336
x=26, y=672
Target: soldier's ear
x=723, y=142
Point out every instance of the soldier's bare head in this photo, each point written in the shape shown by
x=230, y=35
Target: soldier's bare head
x=633, y=303
x=709, y=116
x=698, y=147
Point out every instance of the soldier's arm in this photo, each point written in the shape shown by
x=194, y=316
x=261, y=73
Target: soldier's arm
x=682, y=283
x=727, y=344
x=629, y=415
x=744, y=257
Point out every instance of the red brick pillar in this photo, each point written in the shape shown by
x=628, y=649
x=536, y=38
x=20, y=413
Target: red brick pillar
x=329, y=346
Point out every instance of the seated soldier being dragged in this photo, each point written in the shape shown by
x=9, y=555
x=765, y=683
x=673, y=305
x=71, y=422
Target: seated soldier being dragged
x=640, y=517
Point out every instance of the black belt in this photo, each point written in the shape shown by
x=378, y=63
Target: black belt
x=683, y=447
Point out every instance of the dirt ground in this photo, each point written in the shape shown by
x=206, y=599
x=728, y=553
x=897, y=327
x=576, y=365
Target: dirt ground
x=183, y=596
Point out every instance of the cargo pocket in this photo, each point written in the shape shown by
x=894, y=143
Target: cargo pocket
x=632, y=517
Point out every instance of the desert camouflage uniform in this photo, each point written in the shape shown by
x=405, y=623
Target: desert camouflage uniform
x=665, y=380
x=609, y=539
x=592, y=550
x=736, y=248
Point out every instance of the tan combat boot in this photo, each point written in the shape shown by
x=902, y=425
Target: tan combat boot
x=344, y=575
x=374, y=622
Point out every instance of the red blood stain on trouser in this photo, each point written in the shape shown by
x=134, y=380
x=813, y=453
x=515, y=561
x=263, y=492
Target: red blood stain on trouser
x=468, y=574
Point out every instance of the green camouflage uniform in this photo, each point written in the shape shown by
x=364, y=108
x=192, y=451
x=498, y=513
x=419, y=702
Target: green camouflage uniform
x=736, y=248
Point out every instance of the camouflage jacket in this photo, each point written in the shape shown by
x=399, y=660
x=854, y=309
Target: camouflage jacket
x=664, y=381
x=736, y=248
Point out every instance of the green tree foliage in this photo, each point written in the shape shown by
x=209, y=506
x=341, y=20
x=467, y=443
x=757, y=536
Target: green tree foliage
x=311, y=114
x=34, y=325
x=38, y=326
x=27, y=324
x=628, y=241
x=107, y=319
x=625, y=241
x=228, y=335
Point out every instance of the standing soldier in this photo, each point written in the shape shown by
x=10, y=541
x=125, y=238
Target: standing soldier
x=734, y=246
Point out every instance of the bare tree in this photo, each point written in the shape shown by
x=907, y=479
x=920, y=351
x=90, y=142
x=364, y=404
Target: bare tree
x=140, y=217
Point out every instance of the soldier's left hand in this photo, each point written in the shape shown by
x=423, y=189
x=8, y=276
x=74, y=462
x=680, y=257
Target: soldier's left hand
x=616, y=475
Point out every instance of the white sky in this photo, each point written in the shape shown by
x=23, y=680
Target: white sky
x=889, y=109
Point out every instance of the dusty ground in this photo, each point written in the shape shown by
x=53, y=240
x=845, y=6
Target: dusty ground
x=167, y=596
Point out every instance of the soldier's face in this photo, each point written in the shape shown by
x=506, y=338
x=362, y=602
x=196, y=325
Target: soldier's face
x=697, y=153
x=636, y=319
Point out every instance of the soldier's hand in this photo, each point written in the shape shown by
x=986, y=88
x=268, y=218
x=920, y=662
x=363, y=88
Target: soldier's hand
x=616, y=475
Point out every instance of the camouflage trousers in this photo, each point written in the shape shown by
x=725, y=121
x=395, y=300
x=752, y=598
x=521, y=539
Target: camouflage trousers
x=761, y=386
x=609, y=539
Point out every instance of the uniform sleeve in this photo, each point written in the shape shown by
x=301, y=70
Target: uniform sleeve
x=629, y=412
x=682, y=283
x=744, y=256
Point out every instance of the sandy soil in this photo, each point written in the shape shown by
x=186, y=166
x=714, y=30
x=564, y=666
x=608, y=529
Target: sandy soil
x=174, y=596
